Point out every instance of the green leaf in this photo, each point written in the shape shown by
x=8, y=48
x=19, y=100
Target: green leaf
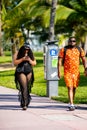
x=63, y=12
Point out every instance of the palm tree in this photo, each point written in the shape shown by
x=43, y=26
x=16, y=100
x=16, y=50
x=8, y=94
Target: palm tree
x=26, y=13
x=1, y=50
x=5, y=7
x=77, y=19
x=52, y=19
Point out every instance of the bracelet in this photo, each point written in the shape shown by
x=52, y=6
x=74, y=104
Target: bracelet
x=86, y=69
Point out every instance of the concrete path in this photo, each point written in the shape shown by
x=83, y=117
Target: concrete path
x=6, y=66
x=42, y=114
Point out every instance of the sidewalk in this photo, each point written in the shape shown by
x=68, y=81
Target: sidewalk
x=42, y=114
x=6, y=66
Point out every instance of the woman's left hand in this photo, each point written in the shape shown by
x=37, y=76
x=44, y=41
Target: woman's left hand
x=27, y=58
x=32, y=62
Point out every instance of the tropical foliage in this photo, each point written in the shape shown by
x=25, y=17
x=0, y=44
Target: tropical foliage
x=70, y=17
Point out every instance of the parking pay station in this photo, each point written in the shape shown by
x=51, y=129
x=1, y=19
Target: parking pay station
x=50, y=68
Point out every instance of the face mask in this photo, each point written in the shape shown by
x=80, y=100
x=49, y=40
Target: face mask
x=71, y=46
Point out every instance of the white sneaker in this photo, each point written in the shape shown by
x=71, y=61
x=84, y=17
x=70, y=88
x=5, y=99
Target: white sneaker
x=71, y=107
x=24, y=108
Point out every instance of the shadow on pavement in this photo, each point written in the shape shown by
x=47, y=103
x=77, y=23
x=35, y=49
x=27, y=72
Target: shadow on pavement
x=10, y=107
x=8, y=97
x=6, y=100
x=82, y=108
x=10, y=101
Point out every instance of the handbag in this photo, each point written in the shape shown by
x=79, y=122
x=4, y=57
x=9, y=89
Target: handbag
x=24, y=68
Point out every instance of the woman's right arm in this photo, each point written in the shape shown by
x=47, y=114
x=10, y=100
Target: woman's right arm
x=17, y=61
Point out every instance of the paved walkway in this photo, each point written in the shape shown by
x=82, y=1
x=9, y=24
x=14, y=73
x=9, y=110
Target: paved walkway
x=6, y=66
x=42, y=114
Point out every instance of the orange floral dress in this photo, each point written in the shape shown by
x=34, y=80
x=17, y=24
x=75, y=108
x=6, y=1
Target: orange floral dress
x=71, y=66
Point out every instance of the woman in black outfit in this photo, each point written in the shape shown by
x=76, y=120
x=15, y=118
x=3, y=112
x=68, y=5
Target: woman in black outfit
x=24, y=76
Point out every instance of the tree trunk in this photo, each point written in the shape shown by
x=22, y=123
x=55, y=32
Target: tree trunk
x=0, y=28
x=1, y=49
x=52, y=18
x=13, y=49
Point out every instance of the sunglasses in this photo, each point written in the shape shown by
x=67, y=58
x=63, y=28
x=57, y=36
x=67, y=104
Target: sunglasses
x=72, y=40
x=26, y=48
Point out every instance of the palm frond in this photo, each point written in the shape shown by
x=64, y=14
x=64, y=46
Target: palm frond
x=26, y=2
x=4, y=13
x=63, y=12
x=79, y=5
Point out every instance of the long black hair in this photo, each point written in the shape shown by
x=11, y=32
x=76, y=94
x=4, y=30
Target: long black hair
x=21, y=53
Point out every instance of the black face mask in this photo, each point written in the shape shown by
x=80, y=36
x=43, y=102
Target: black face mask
x=71, y=46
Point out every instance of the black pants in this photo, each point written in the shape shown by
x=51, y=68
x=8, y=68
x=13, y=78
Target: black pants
x=24, y=82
